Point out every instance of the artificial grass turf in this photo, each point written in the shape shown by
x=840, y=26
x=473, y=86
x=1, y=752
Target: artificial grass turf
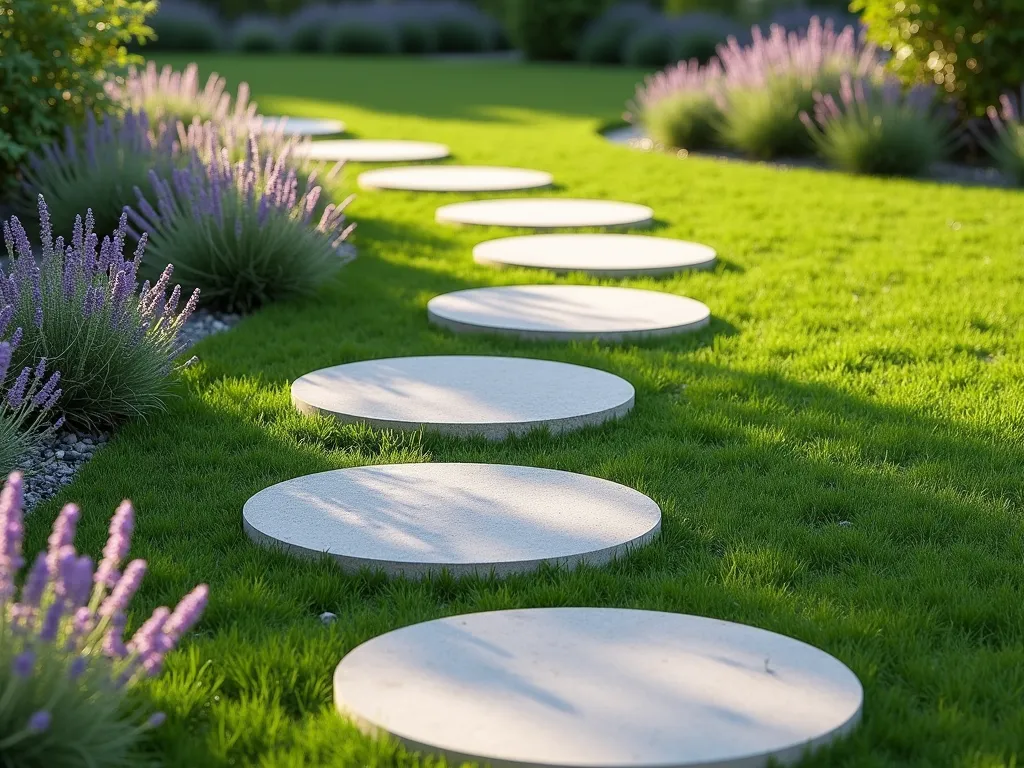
x=838, y=457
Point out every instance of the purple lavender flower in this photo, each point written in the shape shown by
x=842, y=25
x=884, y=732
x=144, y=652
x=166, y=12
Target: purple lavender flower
x=11, y=532
x=1007, y=146
x=35, y=584
x=77, y=667
x=51, y=621
x=39, y=721
x=117, y=545
x=24, y=663
x=63, y=534
x=16, y=394
x=186, y=613
x=124, y=590
x=156, y=720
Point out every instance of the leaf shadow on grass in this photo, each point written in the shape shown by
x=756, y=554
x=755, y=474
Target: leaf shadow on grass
x=887, y=537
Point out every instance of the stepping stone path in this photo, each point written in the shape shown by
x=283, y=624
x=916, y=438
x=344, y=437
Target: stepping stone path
x=567, y=312
x=602, y=255
x=454, y=178
x=414, y=519
x=369, y=151
x=302, y=126
x=588, y=687
x=493, y=397
x=546, y=213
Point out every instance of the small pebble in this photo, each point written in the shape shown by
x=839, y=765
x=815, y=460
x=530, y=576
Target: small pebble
x=845, y=524
x=328, y=618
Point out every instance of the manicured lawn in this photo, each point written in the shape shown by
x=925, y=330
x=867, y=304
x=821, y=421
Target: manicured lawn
x=839, y=457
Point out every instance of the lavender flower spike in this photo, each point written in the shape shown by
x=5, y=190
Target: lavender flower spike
x=40, y=721
x=187, y=613
x=125, y=588
x=116, y=549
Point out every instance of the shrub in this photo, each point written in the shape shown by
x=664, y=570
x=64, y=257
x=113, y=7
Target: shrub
x=879, y=129
x=80, y=307
x=649, y=46
x=306, y=29
x=680, y=107
x=99, y=168
x=170, y=95
x=180, y=25
x=243, y=233
x=1007, y=145
x=460, y=34
x=65, y=671
x=698, y=35
x=361, y=36
x=257, y=34
x=55, y=56
x=25, y=401
x=971, y=49
x=604, y=39
x=551, y=29
x=773, y=80
x=416, y=36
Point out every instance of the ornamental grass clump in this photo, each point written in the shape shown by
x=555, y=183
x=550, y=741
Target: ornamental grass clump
x=26, y=401
x=67, y=677
x=774, y=79
x=170, y=95
x=79, y=305
x=244, y=232
x=681, y=106
x=879, y=128
x=1007, y=145
x=97, y=168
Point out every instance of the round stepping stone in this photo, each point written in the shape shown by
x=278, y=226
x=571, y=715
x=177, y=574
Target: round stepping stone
x=492, y=397
x=567, y=312
x=302, y=126
x=454, y=178
x=414, y=519
x=373, y=151
x=602, y=255
x=546, y=213
x=588, y=687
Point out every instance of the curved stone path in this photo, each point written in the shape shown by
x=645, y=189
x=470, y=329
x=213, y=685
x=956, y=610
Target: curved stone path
x=601, y=255
x=491, y=397
x=415, y=519
x=598, y=687
x=567, y=312
x=546, y=213
x=455, y=178
x=373, y=151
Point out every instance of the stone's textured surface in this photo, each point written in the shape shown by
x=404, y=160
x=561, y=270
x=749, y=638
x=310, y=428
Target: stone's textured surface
x=493, y=397
x=454, y=178
x=567, y=312
x=414, y=519
x=373, y=151
x=587, y=687
x=547, y=213
x=303, y=126
x=604, y=255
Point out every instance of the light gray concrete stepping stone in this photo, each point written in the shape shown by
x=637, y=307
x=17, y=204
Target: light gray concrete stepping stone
x=454, y=178
x=567, y=312
x=547, y=213
x=598, y=687
x=414, y=519
x=605, y=255
x=492, y=397
x=302, y=126
x=373, y=151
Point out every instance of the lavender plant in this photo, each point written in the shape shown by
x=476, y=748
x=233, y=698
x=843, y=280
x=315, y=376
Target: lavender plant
x=66, y=673
x=25, y=401
x=81, y=308
x=1007, y=145
x=774, y=79
x=680, y=107
x=879, y=129
x=169, y=94
x=243, y=232
x=98, y=168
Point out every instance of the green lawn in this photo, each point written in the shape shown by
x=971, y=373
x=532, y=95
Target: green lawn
x=864, y=365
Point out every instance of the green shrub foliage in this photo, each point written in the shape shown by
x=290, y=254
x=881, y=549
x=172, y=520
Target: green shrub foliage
x=54, y=59
x=357, y=36
x=971, y=49
x=551, y=29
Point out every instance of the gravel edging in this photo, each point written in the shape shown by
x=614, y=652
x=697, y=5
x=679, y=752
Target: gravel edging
x=52, y=465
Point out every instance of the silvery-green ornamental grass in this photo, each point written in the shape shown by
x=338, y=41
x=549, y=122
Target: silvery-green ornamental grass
x=245, y=233
x=80, y=306
x=1007, y=146
x=27, y=398
x=67, y=675
x=98, y=168
x=879, y=128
